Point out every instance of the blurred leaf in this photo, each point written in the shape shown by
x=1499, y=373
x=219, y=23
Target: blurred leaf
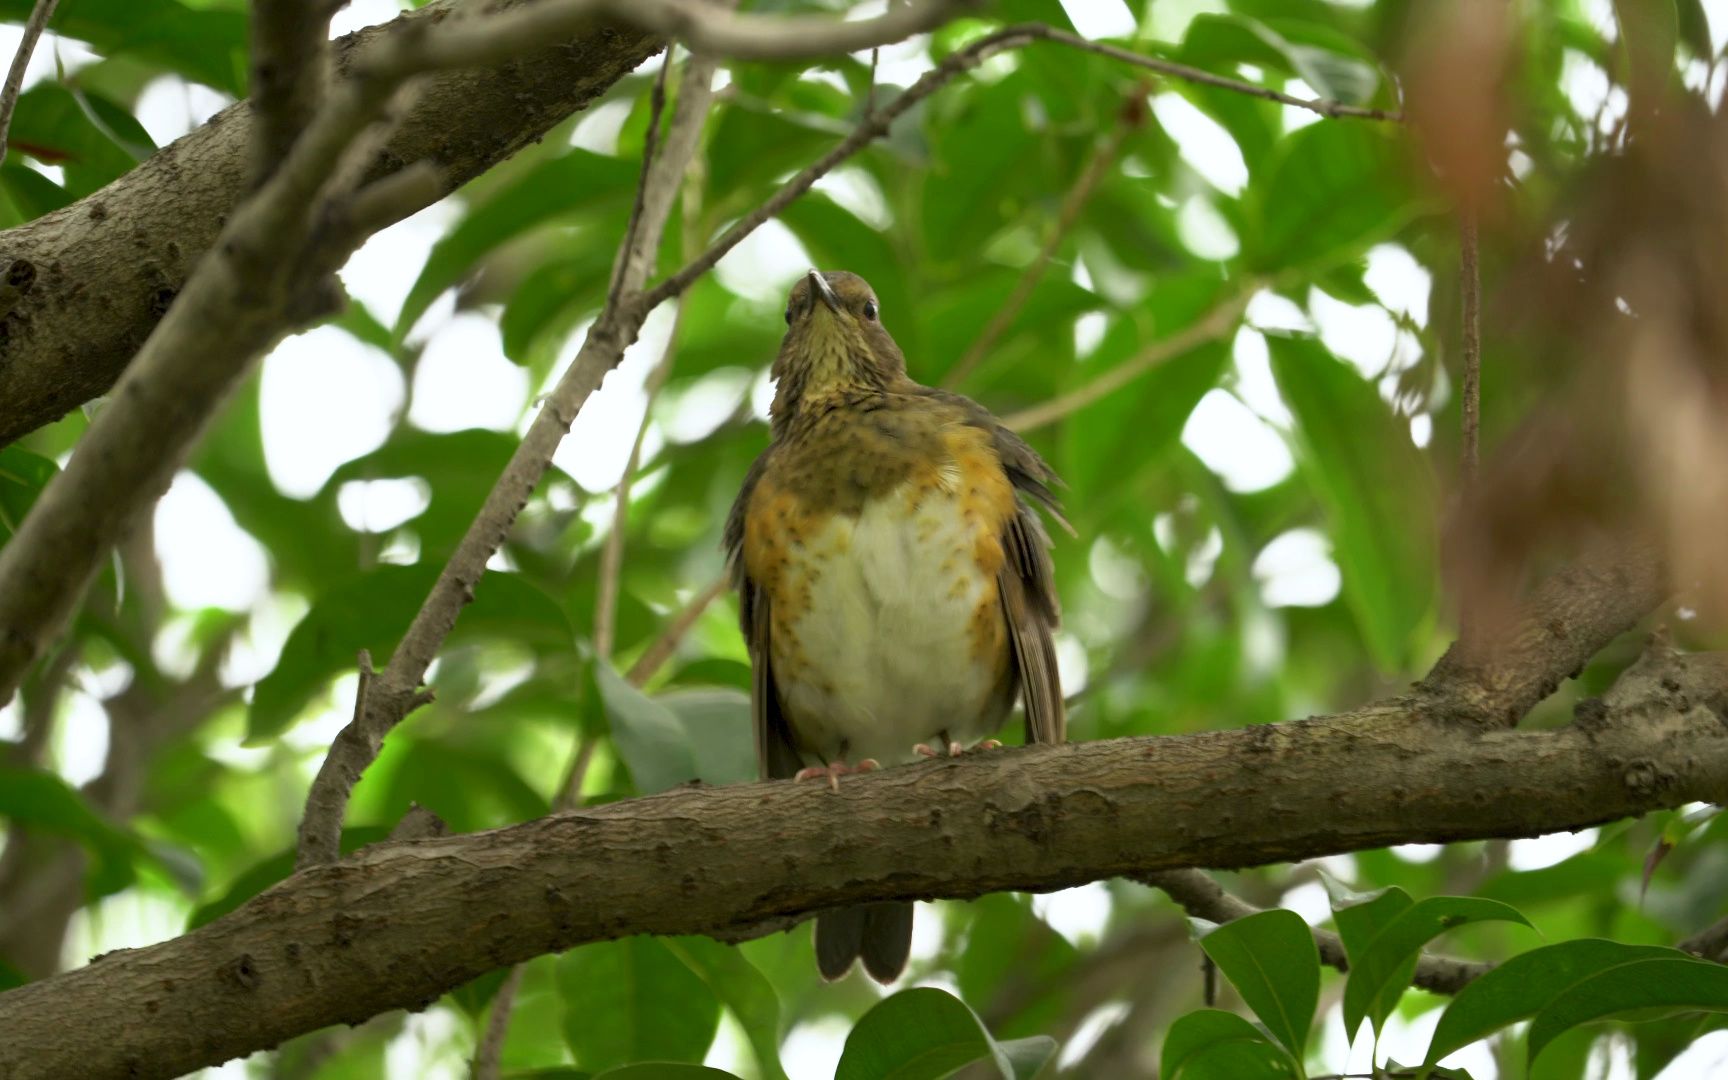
x=372, y=611
x=40, y=800
x=51, y=125
x=1210, y=1044
x=744, y=992
x=1218, y=42
x=1521, y=986
x=928, y=1033
x=204, y=44
x=1271, y=959
x=577, y=182
x=1674, y=982
x=23, y=475
x=1389, y=953
x=1011, y=955
x=10, y=977
x=717, y=724
x=1332, y=192
x=657, y=1070
x=632, y=1000
x=268, y=872
x=1377, y=489
x=31, y=193
x=650, y=738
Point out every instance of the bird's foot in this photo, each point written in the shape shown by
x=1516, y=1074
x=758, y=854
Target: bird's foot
x=926, y=750
x=835, y=770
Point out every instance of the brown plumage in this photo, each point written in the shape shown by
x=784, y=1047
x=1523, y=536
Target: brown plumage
x=894, y=578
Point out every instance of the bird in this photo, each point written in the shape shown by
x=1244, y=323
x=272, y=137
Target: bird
x=896, y=589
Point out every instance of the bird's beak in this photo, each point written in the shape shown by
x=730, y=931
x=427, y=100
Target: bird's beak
x=821, y=290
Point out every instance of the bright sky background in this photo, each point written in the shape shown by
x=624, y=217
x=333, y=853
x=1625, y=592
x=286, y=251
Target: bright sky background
x=1238, y=430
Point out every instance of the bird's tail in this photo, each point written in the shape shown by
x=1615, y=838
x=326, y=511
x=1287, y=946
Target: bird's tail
x=879, y=934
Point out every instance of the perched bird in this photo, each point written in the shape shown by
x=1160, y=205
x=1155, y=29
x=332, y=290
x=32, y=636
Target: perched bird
x=895, y=583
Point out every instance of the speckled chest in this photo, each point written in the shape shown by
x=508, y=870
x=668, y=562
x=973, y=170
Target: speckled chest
x=876, y=535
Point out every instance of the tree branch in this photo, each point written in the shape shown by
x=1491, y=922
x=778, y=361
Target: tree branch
x=392, y=696
x=290, y=65
x=33, y=27
x=1204, y=898
x=329, y=945
x=94, y=278
x=1209, y=327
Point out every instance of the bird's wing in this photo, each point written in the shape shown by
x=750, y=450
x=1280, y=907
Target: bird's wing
x=1028, y=589
x=776, y=756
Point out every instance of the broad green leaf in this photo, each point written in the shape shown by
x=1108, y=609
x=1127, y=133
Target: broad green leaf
x=1519, y=988
x=31, y=193
x=1388, y=954
x=743, y=990
x=555, y=296
x=1360, y=917
x=1271, y=959
x=51, y=125
x=1678, y=981
x=1327, y=61
x=717, y=724
x=271, y=870
x=1010, y=951
x=1332, y=192
x=1377, y=490
x=1210, y=1044
x=632, y=1000
x=579, y=182
x=10, y=977
x=43, y=801
x=372, y=611
x=205, y=44
x=649, y=736
x=925, y=1033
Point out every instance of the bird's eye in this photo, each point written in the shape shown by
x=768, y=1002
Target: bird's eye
x=870, y=310
x=788, y=314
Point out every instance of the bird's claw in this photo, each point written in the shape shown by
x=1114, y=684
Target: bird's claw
x=954, y=748
x=834, y=770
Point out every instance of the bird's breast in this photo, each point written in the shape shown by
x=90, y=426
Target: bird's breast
x=886, y=624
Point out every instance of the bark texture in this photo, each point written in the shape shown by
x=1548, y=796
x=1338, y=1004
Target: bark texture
x=95, y=277
x=400, y=923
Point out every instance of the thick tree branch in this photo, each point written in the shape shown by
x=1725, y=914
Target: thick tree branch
x=102, y=271
x=330, y=944
x=1568, y=619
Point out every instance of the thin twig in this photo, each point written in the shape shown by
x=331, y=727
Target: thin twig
x=489, y=1056
x=612, y=552
x=1209, y=327
x=290, y=67
x=666, y=644
x=38, y=21
x=1072, y=203
x=1470, y=293
x=656, y=107
x=1202, y=897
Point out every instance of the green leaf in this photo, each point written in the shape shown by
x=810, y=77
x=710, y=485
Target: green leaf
x=51, y=125
x=1360, y=917
x=43, y=801
x=1210, y=1044
x=661, y=1070
x=717, y=724
x=649, y=736
x=1271, y=959
x=1519, y=988
x=31, y=193
x=743, y=990
x=205, y=44
x=630, y=1000
x=1388, y=955
x=1673, y=982
x=578, y=182
x=10, y=977
x=1333, y=192
x=23, y=475
x=925, y=1033
x=1376, y=487
x=1328, y=61
x=372, y=611
x=276, y=868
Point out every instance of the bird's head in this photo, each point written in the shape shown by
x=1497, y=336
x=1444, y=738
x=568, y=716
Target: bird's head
x=835, y=341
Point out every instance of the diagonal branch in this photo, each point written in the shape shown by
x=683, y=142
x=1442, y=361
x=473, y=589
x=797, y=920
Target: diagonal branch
x=290, y=66
x=33, y=27
x=706, y=860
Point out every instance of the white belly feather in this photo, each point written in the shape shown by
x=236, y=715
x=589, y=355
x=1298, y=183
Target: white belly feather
x=886, y=660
